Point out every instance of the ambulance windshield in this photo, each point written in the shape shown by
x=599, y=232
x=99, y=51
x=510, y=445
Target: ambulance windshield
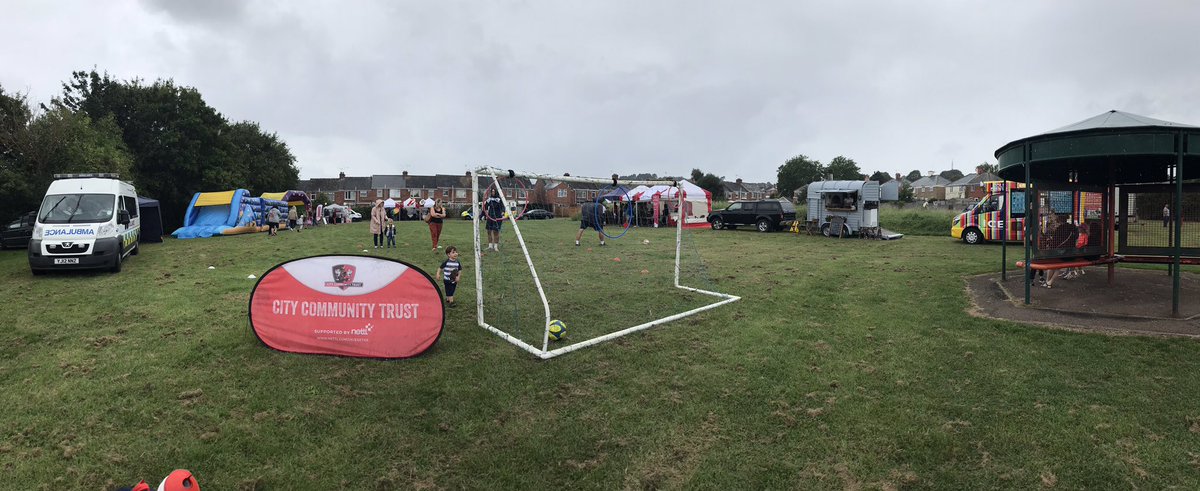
x=77, y=208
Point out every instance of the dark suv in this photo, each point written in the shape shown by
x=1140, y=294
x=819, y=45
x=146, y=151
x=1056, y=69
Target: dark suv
x=17, y=233
x=766, y=215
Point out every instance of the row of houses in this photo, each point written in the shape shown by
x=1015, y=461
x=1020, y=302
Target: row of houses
x=456, y=189
x=748, y=190
x=452, y=190
x=969, y=187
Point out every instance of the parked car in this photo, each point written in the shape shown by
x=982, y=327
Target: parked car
x=355, y=216
x=537, y=214
x=18, y=232
x=766, y=215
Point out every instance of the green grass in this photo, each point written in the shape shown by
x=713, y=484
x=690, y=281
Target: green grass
x=848, y=364
x=1151, y=233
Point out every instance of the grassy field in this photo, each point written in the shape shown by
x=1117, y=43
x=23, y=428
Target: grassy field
x=848, y=364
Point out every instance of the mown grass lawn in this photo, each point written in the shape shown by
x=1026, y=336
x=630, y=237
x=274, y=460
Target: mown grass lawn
x=848, y=364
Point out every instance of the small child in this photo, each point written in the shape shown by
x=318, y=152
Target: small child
x=451, y=272
x=390, y=231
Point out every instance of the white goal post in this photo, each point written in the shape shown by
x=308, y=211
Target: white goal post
x=544, y=352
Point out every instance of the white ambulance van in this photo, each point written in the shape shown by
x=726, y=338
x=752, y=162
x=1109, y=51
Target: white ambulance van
x=87, y=221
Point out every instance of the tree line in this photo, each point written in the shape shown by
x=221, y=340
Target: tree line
x=160, y=136
x=801, y=170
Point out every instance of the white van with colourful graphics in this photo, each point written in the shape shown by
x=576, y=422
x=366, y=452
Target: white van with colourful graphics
x=86, y=221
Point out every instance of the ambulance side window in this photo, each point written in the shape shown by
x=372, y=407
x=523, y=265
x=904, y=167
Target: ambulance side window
x=129, y=204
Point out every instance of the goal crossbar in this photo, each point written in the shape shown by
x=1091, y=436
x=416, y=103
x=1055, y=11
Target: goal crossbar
x=544, y=352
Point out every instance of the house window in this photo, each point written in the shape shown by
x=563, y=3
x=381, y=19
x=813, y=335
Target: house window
x=393, y=193
x=562, y=193
x=413, y=193
x=460, y=193
x=521, y=193
x=362, y=194
x=348, y=195
x=580, y=195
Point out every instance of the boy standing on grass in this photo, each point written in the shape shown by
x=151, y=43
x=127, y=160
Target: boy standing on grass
x=451, y=272
x=390, y=231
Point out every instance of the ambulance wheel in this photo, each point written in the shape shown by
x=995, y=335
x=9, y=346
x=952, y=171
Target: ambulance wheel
x=972, y=236
x=116, y=267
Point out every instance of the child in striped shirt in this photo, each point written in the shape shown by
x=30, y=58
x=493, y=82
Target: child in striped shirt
x=451, y=272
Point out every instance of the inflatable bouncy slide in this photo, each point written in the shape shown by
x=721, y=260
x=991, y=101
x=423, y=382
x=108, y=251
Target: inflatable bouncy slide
x=293, y=198
x=226, y=213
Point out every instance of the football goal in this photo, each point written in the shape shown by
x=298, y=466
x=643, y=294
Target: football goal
x=615, y=257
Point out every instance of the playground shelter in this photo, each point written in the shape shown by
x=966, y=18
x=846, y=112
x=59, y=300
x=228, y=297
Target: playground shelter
x=1082, y=177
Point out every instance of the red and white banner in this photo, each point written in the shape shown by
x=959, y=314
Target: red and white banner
x=357, y=306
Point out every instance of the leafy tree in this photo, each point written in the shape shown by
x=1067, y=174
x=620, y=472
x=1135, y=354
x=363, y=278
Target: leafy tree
x=709, y=182
x=16, y=191
x=180, y=145
x=906, y=193
x=986, y=167
x=321, y=199
x=843, y=169
x=797, y=172
x=952, y=174
x=640, y=177
x=58, y=140
x=881, y=177
x=913, y=176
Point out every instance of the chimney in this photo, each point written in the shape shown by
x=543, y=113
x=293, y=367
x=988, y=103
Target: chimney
x=898, y=177
x=739, y=180
x=567, y=174
x=468, y=173
x=405, y=173
x=341, y=175
x=979, y=169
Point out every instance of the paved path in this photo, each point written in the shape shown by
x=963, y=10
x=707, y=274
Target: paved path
x=1138, y=302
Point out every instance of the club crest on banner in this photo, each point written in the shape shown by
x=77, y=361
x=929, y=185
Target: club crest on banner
x=343, y=277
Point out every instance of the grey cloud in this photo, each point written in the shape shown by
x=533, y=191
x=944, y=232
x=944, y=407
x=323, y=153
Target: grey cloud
x=623, y=86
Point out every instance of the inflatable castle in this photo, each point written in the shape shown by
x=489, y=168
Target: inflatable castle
x=233, y=212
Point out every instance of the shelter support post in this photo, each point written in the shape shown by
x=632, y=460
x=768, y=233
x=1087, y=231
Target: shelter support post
x=1004, y=239
x=1110, y=205
x=1182, y=140
x=1030, y=221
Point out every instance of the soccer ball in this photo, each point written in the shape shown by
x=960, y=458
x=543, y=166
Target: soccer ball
x=558, y=330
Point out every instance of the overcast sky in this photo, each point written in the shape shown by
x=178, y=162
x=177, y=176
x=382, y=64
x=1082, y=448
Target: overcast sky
x=592, y=88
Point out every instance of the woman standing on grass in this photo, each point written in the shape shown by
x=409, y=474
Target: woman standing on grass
x=436, y=214
x=378, y=214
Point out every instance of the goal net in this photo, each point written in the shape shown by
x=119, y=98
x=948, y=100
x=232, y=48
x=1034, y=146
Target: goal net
x=630, y=270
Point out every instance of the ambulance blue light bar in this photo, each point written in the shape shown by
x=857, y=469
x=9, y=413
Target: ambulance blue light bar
x=98, y=175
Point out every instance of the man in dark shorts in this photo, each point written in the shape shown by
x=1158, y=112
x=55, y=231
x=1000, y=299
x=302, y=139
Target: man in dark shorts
x=591, y=215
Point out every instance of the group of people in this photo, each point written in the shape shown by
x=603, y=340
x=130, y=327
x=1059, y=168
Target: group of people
x=1063, y=234
x=275, y=217
x=383, y=223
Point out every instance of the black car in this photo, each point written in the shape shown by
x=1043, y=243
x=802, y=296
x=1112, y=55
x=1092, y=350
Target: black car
x=537, y=214
x=766, y=215
x=18, y=232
